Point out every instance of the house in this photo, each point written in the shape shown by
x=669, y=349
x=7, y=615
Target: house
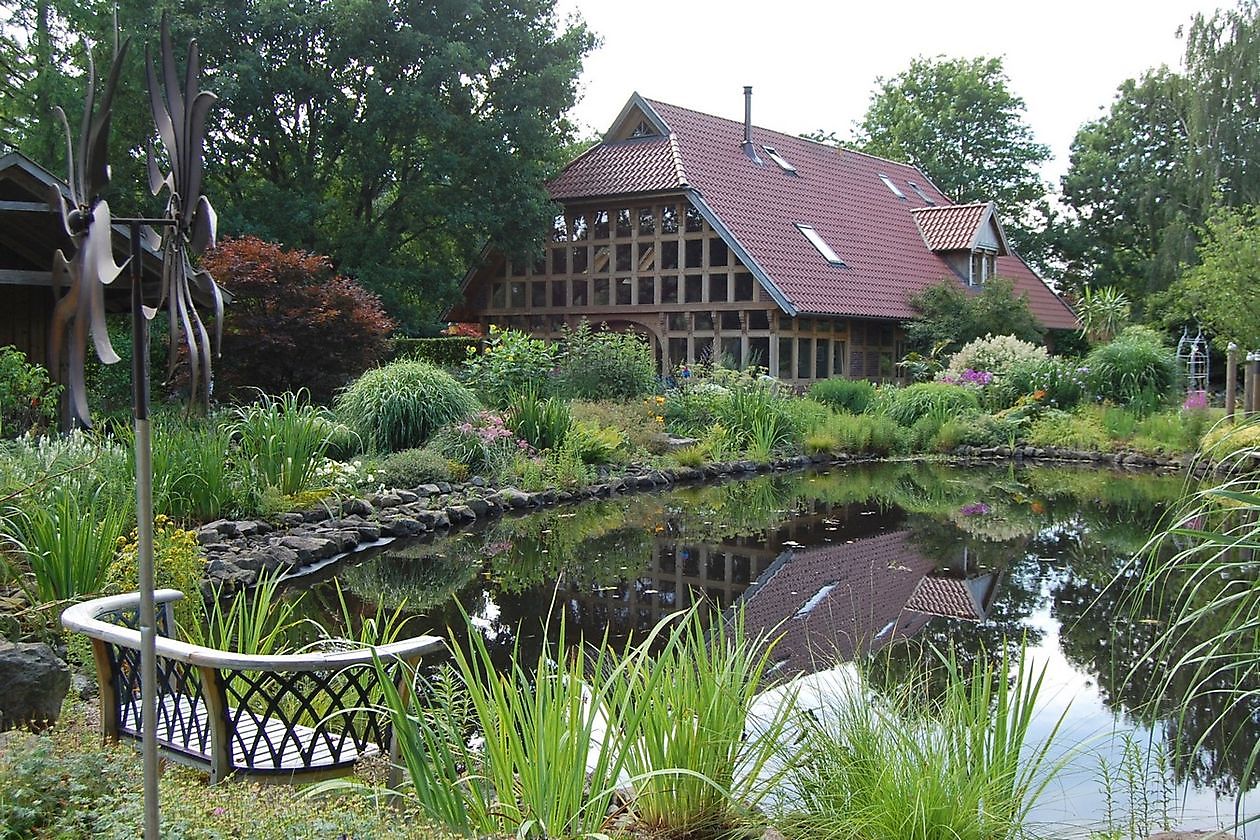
x=710, y=236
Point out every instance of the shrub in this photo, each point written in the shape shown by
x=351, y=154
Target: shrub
x=984, y=430
x=907, y=405
x=178, y=563
x=950, y=316
x=806, y=415
x=449, y=351
x=1060, y=381
x=689, y=411
x=109, y=386
x=596, y=444
x=293, y=323
x=413, y=467
x=757, y=420
x=400, y=405
x=1226, y=441
x=993, y=354
x=1082, y=429
x=28, y=397
x=194, y=476
x=542, y=423
x=511, y=363
x=634, y=420
x=606, y=365
x=484, y=443
x=852, y=395
x=1136, y=369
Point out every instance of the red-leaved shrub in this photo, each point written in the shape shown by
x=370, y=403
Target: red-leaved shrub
x=293, y=323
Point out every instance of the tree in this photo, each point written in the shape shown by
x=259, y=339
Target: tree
x=1144, y=178
x=1129, y=188
x=957, y=121
x=1220, y=291
x=397, y=138
x=293, y=322
x=950, y=316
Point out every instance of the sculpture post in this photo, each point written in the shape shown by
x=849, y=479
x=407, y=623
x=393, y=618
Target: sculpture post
x=1231, y=380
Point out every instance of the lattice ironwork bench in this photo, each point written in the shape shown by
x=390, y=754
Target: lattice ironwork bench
x=288, y=716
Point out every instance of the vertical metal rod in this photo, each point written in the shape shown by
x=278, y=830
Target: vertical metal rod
x=1253, y=374
x=1249, y=385
x=144, y=533
x=1231, y=380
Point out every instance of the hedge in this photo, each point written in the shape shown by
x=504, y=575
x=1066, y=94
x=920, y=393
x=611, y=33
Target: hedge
x=445, y=351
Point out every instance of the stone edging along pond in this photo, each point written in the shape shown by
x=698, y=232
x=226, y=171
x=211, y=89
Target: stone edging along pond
x=238, y=551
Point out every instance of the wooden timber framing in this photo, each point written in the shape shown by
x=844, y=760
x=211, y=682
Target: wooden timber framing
x=656, y=266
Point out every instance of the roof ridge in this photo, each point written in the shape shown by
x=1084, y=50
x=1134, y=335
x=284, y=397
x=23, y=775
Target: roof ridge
x=678, y=163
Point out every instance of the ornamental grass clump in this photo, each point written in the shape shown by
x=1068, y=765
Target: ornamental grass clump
x=917, y=766
x=908, y=405
x=402, y=404
x=852, y=395
x=1135, y=370
x=282, y=441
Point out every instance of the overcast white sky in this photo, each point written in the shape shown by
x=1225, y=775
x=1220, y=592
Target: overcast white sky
x=813, y=65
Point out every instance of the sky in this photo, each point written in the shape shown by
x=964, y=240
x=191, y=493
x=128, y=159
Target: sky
x=813, y=65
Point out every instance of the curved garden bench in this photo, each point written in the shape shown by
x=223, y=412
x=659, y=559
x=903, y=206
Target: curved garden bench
x=283, y=716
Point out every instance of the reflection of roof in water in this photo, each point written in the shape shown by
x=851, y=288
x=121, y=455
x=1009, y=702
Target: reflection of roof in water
x=832, y=602
x=952, y=597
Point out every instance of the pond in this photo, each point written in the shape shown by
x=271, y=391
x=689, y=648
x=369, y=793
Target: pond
x=881, y=563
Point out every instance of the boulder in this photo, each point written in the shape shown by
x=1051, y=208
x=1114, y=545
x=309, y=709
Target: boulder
x=33, y=684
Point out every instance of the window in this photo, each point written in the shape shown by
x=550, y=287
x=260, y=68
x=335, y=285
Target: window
x=581, y=255
x=704, y=321
x=579, y=293
x=777, y=158
x=695, y=288
x=695, y=223
x=669, y=289
x=669, y=218
x=719, y=254
x=647, y=256
x=601, y=292
x=677, y=351
x=785, y=358
x=599, y=226
x=518, y=268
x=743, y=286
x=516, y=295
x=818, y=242
x=540, y=266
x=927, y=199
x=623, y=258
x=537, y=295
x=669, y=255
x=559, y=263
x=559, y=229
x=822, y=349
x=600, y=262
x=733, y=349
x=717, y=288
x=559, y=293
x=678, y=322
x=624, y=291
x=758, y=319
x=837, y=358
x=804, y=357
x=983, y=267
x=891, y=186
x=579, y=228
x=623, y=224
x=758, y=352
x=730, y=322
x=695, y=253
x=647, y=290
x=498, y=295
x=647, y=221
x=703, y=348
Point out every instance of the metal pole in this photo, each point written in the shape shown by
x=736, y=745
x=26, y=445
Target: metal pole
x=1249, y=385
x=1253, y=374
x=1231, y=380
x=144, y=532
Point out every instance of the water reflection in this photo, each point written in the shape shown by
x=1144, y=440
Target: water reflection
x=884, y=562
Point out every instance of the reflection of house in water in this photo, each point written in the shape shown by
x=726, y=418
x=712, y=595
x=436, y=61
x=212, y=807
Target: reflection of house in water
x=835, y=581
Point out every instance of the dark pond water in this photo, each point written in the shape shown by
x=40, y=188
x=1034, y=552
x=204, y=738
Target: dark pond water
x=866, y=562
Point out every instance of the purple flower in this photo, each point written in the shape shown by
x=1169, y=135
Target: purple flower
x=974, y=509
x=1195, y=400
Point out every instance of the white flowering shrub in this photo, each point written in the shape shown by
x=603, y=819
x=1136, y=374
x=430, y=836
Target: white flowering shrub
x=994, y=355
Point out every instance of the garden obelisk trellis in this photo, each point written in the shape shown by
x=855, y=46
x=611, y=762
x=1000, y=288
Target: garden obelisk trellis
x=187, y=229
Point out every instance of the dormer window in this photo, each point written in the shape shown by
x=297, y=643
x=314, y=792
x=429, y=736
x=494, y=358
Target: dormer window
x=643, y=129
x=780, y=160
x=983, y=267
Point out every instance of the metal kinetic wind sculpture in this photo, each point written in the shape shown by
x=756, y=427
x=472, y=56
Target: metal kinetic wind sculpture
x=188, y=229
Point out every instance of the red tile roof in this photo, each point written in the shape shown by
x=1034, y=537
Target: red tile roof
x=640, y=165
x=951, y=228
x=952, y=597
x=837, y=192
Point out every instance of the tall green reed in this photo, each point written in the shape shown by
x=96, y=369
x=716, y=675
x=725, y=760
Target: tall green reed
x=64, y=543
x=283, y=441
x=909, y=767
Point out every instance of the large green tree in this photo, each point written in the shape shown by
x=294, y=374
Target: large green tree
x=958, y=121
x=395, y=137
x=1145, y=177
x=1220, y=291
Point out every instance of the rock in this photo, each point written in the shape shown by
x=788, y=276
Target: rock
x=680, y=442
x=355, y=506
x=443, y=486
x=477, y=481
x=479, y=507
x=33, y=684
x=84, y=686
x=513, y=498
x=402, y=526
x=428, y=490
x=347, y=539
x=460, y=513
x=309, y=548
x=288, y=520
x=368, y=531
x=315, y=515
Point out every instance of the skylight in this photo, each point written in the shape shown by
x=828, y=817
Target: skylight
x=895, y=189
x=927, y=199
x=817, y=598
x=777, y=158
x=819, y=243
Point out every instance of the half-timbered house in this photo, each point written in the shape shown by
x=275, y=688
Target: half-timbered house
x=713, y=237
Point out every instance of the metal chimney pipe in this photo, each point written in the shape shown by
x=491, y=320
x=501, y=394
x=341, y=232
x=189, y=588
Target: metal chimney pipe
x=747, y=115
x=749, y=148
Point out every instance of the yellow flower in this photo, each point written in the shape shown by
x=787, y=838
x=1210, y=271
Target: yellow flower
x=660, y=419
x=660, y=401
